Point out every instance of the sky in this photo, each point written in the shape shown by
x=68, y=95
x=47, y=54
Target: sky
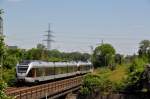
x=77, y=24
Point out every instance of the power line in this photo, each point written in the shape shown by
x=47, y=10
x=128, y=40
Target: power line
x=49, y=38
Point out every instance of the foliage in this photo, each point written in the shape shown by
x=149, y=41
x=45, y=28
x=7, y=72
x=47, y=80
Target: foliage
x=103, y=55
x=144, y=50
x=93, y=83
x=85, y=91
x=54, y=59
x=2, y=47
x=55, y=55
x=34, y=54
x=3, y=86
x=105, y=80
x=10, y=62
x=12, y=57
x=9, y=76
x=41, y=46
x=118, y=59
x=1, y=11
x=134, y=77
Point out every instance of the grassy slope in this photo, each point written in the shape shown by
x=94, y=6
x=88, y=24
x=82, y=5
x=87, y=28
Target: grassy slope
x=118, y=74
x=115, y=76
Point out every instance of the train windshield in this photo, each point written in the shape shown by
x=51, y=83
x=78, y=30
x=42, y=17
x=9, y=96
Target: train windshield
x=22, y=69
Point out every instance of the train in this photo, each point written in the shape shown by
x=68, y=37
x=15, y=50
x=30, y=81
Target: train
x=35, y=71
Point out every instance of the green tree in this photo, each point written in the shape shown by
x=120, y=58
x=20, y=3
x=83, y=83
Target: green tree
x=144, y=50
x=34, y=54
x=10, y=62
x=2, y=53
x=118, y=58
x=103, y=55
x=54, y=53
x=41, y=46
x=144, y=47
x=12, y=57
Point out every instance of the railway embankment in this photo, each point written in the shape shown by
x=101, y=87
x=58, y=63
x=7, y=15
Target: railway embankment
x=124, y=82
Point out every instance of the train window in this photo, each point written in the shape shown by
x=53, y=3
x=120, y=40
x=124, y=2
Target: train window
x=22, y=69
x=57, y=70
x=49, y=71
x=39, y=72
x=70, y=69
x=81, y=68
x=64, y=69
x=75, y=68
x=32, y=73
x=60, y=70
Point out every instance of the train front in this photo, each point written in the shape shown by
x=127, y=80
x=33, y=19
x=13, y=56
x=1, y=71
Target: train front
x=21, y=71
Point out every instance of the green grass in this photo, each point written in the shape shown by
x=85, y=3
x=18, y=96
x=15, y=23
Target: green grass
x=119, y=74
x=116, y=75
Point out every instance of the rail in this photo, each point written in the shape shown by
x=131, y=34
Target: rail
x=40, y=91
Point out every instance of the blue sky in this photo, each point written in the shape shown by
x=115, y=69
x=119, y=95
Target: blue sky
x=77, y=24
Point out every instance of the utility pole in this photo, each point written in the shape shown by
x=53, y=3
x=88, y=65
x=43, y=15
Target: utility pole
x=92, y=49
x=1, y=34
x=1, y=22
x=102, y=42
x=49, y=38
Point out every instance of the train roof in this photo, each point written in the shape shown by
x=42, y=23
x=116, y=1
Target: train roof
x=36, y=63
x=51, y=64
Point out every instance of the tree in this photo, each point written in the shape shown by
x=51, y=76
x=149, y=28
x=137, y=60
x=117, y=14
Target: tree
x=144, y=49
x=2, y=53
x=103, y=55
x=1, y=11
x=34, y=54
x=118, y=58
x=41, y=46
x=2, y=46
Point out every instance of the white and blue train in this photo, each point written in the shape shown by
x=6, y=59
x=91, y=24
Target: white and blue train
x=37, y=71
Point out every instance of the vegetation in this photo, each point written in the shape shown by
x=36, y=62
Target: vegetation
x=105, y=80
x=113, y=72
x=13, y=56
x=129, y=74
x=144, y=50
x=3, y=85
x=104, y=55
x=135, y=77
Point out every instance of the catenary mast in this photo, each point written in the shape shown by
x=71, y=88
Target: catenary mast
x=49, y=38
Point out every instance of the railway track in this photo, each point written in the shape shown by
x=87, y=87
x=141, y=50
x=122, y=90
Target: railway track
x=12, y=89
x=48, y=89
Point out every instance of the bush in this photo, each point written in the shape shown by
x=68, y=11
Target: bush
x=9, y=76
x=93, y=83
x=3, y=86
x=85, y=91
x=134, y=77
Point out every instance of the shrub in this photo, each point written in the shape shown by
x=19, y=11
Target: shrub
x=3, y=86
x=134, y=76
